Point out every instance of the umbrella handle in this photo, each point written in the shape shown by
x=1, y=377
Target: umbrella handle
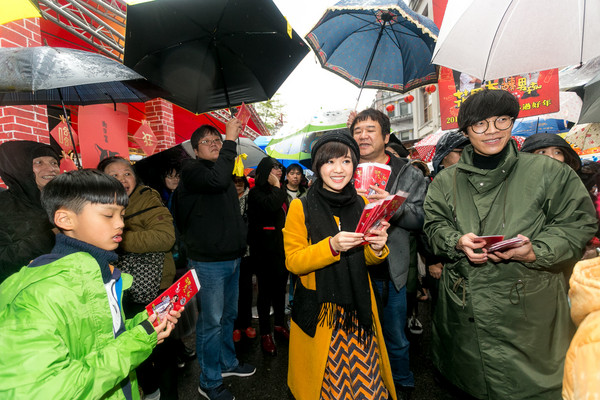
x=77, y=162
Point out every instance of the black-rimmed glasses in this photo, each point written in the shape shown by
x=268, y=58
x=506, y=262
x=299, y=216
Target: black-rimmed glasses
x=501, y=123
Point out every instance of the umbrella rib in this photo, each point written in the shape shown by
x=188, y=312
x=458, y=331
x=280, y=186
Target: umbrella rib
x=487, y=61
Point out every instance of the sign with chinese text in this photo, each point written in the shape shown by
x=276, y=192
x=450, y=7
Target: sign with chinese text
x=145, y=138
x=60, y=133
x=103, y=133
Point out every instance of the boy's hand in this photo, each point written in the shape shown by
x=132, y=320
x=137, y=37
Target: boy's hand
x=163, y=330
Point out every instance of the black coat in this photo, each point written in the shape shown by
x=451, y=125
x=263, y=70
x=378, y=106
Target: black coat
x=207, y=209
x=26, y=232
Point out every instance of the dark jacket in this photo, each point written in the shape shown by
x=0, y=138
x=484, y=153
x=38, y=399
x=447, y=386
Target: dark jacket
x=267, y=207
x=409, y=217
x=207, y=209
x=26, y=232
x=501, y=330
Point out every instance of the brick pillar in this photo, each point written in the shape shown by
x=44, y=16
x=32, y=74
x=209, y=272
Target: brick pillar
x=159, y=114
x=23, y=122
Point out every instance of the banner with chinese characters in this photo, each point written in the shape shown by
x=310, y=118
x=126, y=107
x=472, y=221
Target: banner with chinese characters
x=102, y=133
x=537, y=92
x=145, y=138
x=60, y=133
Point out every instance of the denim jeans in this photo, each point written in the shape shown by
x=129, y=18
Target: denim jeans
x=217, y=305
x=393, y=323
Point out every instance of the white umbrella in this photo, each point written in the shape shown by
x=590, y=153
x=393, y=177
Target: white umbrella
x=501, y=38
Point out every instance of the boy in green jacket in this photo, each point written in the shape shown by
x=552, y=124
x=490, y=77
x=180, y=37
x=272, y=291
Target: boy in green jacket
x=62, y=331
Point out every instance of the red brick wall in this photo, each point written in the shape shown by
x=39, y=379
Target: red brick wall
x=23, y=122
x=159, y=114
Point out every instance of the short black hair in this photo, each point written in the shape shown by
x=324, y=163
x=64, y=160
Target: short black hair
x=74, y=189
x=398, y=148
x=375, y=115
x=242, y=179
x=484, y=104
x=294, y=167
x=332, y=150
x=201, y=132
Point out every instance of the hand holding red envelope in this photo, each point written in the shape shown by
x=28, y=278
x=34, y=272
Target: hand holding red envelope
x=382, y=210
x=368, y=174
x=497, y=243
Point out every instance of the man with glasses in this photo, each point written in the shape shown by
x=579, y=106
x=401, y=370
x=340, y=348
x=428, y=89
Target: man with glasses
x=207, y=213
x=501, y=327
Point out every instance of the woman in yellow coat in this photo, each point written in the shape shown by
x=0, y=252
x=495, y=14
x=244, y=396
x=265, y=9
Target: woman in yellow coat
x=336, y=341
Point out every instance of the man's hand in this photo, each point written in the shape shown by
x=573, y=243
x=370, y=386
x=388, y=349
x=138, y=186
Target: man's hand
x=351, y=118
x=435, y=270
x=163, y=330
x=378, y=195
x=345, y=241
x=273, y=181
x=470, y=242
x=522, y=253
x=233, y=128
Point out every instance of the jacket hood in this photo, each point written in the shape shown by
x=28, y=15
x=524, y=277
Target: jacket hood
x=447, y=143
x=542, y=139
x=16, y=167
x=585, y=289
x=263, y=170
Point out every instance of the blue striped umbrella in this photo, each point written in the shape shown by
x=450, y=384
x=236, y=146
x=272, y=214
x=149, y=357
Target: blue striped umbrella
x=376, y=44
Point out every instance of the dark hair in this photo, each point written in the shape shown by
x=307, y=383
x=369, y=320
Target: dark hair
x=294, y=167
x=242, y=179
x=375, y=115
x=484, y=104
x=74, y=189
x=171, y=167
x=201, y=132
x=332, y=150
x=103, y=164
x=398, y=148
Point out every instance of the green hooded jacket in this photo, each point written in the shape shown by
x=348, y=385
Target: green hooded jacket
x=56, y=334
x=501, y=331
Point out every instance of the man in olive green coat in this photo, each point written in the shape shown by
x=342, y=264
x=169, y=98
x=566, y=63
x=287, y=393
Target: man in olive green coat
x=501, y=327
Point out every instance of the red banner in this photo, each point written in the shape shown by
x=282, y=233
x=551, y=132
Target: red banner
x=537, y=92
x=60, y=133
x=102, y=133
x=145, y=138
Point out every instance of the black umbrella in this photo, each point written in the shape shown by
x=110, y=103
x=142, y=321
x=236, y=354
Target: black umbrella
x=212, y=54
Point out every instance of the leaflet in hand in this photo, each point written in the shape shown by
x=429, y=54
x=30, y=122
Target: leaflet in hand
x=368, y=174
x=174, y=297
x=377, y=212
x=243, y=115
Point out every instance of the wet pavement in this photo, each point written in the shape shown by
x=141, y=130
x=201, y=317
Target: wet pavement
x=269, y=381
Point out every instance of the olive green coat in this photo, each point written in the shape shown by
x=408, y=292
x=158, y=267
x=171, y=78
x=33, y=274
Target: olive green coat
x=501, y=331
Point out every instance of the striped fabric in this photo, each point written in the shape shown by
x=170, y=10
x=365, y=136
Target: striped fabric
x=352, y=370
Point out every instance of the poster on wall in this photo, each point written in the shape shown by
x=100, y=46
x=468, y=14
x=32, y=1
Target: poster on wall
x=537, y=92
x=102, y=133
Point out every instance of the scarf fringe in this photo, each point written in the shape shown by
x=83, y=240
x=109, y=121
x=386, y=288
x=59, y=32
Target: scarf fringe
x=338, y=317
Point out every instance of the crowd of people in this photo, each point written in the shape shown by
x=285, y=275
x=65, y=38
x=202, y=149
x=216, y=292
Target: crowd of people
x=72, y=298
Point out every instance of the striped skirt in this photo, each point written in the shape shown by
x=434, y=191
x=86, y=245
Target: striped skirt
x=352, y=370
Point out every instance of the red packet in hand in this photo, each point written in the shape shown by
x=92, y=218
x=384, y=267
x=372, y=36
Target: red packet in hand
x=389, y=208
x=243, y=115
x=368, y=174
x=365, y=217
x=507, y=244
x=175, y=297
x=491, y=240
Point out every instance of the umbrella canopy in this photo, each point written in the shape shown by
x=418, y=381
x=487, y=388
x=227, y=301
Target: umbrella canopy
x=263, y=141
x=590, y=110
x=12, y=10
x=584, y=137
x=532, y=125
x=212, y=54
x=295, y=148
x=501, y=38
x=376, y=44
x=55, y=75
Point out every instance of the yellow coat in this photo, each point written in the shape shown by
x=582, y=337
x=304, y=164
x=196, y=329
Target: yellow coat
x=582, y=372
x=308, y=355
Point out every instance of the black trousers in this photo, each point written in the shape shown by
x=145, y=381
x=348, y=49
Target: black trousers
x=272, y=277
x=244, y=319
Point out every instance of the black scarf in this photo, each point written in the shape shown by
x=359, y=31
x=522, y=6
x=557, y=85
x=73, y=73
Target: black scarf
x=343, y=297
